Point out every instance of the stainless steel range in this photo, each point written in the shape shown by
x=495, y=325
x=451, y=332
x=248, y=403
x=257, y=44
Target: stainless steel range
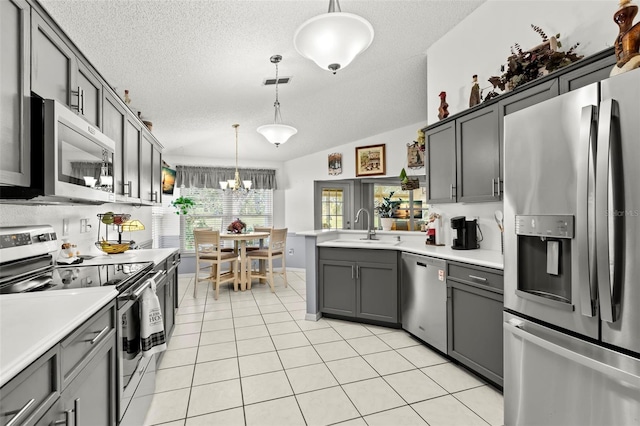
x=27, y=264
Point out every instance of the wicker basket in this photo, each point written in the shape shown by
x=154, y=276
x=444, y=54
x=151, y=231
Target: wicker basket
x=412, y=183
x=112, y=247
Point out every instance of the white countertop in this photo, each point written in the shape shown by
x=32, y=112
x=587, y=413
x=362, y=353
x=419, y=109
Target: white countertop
x=32, y=323
x=145, y=255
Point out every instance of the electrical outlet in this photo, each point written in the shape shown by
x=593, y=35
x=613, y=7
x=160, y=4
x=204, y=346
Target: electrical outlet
x=84, y=226
x=290, y=252
x=65, y=227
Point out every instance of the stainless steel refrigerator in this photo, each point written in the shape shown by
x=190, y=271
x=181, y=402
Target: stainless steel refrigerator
x=572, y=258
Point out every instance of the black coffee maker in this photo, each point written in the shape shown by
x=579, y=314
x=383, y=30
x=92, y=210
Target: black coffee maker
x=467, y=237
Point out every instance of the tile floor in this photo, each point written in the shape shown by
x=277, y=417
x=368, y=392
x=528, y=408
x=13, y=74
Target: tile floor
x=250, y=358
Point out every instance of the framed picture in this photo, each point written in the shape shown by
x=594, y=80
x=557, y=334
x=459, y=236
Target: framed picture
x=370, y=160
x=168, y=180
x=335, y=164
x=415, y=156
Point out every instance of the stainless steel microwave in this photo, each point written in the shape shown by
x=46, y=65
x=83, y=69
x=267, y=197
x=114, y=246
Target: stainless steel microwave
x=71, y=161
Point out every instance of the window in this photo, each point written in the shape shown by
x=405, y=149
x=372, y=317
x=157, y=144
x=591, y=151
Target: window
x=217, y=209
x=410, y=206
x=332, y=208
x=333, y=204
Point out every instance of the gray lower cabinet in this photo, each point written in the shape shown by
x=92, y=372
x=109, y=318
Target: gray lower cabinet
x=359, y=283
x=474, y=319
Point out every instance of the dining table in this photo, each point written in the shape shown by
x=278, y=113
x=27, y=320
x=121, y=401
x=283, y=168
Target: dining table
x=240, y=245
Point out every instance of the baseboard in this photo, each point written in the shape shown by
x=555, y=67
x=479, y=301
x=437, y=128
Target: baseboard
x=313, y=317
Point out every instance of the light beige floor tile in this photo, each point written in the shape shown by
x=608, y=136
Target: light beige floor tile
x=251, y=365
x=243, y=304
x=175, y=423
x=388, y=362
x=185, y=319
x=192, y=302
x=351, y=370
x=190, y=310
x=335, y=323
x=255, y=346
x=375, y=329
x=168, y=406
x=414, y=386
x=404, y=416
x=178, y=357
x=422, y=356
x=290, y=340
x=218, y=336
x=314, y=406
x=244, y=333
x=310, y=378
x=214, y=325
x=232, y=417
x=398, y=340
x=189, y=328
x=312, y=325
x=298, y=315
x=447, y=411
x=486, y=402
x=355, y=422
x=296, y=306
x=278, y=412
x=212, y=397
x=452, y=378
x=266, y=299
x=292, y=298
x=168, y=379
x=353, y=332
x=264, y=387
x=217, y=305
x=283, y=328
x=323, y=335
x=182, y=342
x=247, y=321
x=245, y=312
x=216, y=371
x=215, y=315
x=368, y=345
x=298, y=357
x=373, y=395
x=332, y=351
x=217, y=351
x=277, y=317
x=270, y=309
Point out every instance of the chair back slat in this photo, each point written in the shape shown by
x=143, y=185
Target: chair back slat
x=206, y=241
x=278, y=239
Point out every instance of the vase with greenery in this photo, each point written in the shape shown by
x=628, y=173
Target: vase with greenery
x=183, y=205
x=386, y=207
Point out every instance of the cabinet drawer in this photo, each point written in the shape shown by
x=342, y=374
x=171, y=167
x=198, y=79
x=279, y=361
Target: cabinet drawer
x=79, y=344
x=28, y=395
x=478, y=276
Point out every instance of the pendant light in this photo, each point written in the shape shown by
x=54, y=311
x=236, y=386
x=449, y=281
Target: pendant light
x=236, y=185
x=332, y=40
x=277, y=132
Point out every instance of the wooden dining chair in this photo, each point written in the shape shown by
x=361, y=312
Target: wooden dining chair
x=210, y=254
x=276, y=248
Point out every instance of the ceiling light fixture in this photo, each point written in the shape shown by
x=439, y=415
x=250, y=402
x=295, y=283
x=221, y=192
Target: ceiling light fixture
x=277, y=132
x=236, y=185
x=332, y=40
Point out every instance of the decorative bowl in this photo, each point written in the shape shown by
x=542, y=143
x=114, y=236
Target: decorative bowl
x=112, y=247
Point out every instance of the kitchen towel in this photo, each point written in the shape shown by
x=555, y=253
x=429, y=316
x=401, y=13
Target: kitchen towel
x=151, y=326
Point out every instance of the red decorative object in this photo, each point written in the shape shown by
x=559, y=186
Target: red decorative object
x=443, y=109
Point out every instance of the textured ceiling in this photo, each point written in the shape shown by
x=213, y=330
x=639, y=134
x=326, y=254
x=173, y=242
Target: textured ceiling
x=195, y=67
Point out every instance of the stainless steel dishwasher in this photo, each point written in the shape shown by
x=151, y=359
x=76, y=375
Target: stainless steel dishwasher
x=424, y=299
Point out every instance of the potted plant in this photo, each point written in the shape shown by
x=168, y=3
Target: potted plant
x=183, y=205
x=385, y=211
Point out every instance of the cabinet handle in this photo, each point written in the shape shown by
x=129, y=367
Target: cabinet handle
x=14, y=420
x=76, y=412
x=65, y=421
x=474, y=277
x=154, y=196
x=99, y=336
x=352, y=267
x=451, y=188
x=81, y=100
x=357, y=272
x=493, y=188
x=128, y=191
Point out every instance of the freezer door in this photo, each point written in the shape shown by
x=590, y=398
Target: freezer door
x=554, y=379
x=618, y=210
x=549, y=179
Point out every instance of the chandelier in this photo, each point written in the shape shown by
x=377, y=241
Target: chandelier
x=277, y=132
x=332, y=40
x=236, y=185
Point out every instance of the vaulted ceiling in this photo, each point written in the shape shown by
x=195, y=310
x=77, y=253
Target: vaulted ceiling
x=195, y=67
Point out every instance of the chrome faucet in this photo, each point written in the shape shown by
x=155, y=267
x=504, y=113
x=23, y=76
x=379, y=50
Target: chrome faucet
x=371, y=233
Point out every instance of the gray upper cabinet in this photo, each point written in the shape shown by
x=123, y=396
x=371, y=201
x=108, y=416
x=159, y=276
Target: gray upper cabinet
x=156, y=175
x=146, y=168
x=113, y=125
x=131, y=159
x=440, y=163
x=591, y=73
x=478, y=156
x=15, y=84
x=90, y=95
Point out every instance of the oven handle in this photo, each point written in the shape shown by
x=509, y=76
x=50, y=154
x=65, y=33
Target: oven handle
x=135, y=294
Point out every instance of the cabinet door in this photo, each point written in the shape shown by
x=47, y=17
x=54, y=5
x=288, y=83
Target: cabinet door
x=156, y=175
x=90, y=89
x=15, y=86
x=478, y=156
x=591, y=73
x=132, y=159
x=113, y=122
x=377, y=291
x=146, y=168
x=337, y=287
x=91, y=396
x=440, y=163
x=52, y=62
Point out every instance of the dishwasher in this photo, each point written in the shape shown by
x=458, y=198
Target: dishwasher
x=424, y=299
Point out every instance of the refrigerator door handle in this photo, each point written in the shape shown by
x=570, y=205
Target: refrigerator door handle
x=514, y=327
x=607, y=206
x=586, y=197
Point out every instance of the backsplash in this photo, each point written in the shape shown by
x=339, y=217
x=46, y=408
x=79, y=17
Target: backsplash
x=19, y=215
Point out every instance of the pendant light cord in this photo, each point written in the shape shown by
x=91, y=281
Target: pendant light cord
x=276, y=104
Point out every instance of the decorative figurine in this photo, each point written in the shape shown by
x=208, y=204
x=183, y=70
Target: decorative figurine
x=443, y=111
x=474, y=99
x=627, y=44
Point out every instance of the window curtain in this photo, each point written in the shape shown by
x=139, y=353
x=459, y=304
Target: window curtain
x=80, y=169
x=210, y=177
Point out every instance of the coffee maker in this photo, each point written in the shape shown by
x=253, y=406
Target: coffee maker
x=466, y=233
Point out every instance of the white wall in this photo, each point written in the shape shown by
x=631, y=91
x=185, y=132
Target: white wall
x=481, y=43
